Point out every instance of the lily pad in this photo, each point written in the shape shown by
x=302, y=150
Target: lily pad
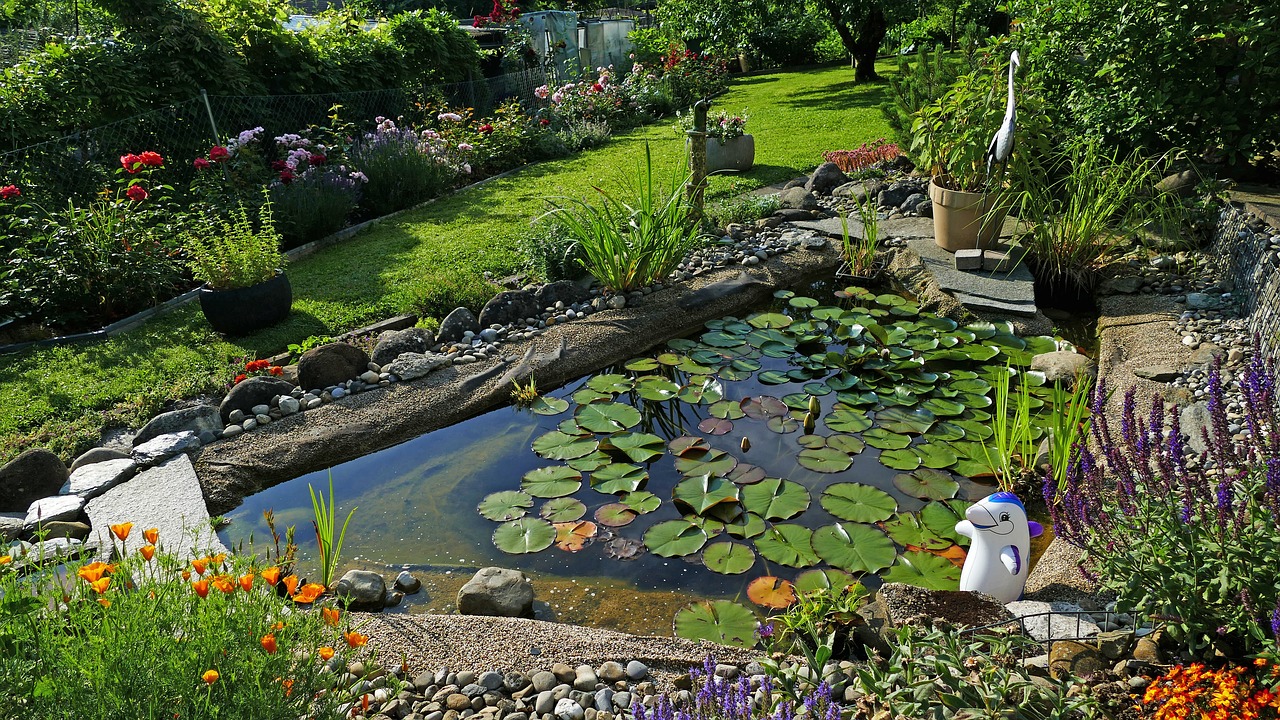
x=607, y=417
x=854, y=547
x=556, y=445
x=675, y=538
x=640, y=447
x=907, y=530
x=789, y=545
x=762, y=407
x=848, y=420
x=722, y=339
x=925, y=570
x=641, y=501
x=775, y=499
x=858, y=503
x=573, y=536
x=552, y=482
x=901, y=420
x=885, y=440
x=802, y=302
x=703, y=492
x=505, y=505
x=772, y=592
x=611, y=383
x=847, y=444
x=718, y=621
x=688, y=445
x=782, y=425
x=590, y=463
x=655, y=388
x=824, y=460
x=769, y=320
x=941, y=518
x=565, y=509
x=747, y=525
x=728, y=558
x=615, y=515
x=726, y=410
x=746, y=474
x=588, y=395
x=618, y=478
x=716, y=426
x=706, y=462
x=823, y=579
x=526, y=535
x=546, y=405
x=704, y=392
x=927, y=484
x=900, y=459
x=935, y=455
x=773, y=377
x=641, y=365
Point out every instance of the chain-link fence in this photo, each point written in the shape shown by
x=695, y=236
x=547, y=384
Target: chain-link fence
x=79, y=165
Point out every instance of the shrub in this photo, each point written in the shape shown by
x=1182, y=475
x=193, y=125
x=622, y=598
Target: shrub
x=689, y=76
x=741, y=209
x=718, y=699
x=435, y=49
x=649, y=45
x=721, y=125
x=404, y=167
x=916, y=86
x=233, y=250
x=1192, y=541
x=583, y=134
x=551, y=253
x=315, y=204
x=866, y=155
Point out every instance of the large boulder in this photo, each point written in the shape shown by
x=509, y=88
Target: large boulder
x=50, y=509
x=394, y=343
x=1064, y=366
x=411, y=366
x=11, y=525
x=798, y=198
x=97, y=455
x=826, y=178
x=455, y=324
x=198, y=419
x=364, y=590
x=565, y=291
x=34, y=474
x=497, y=591
x=90, y=481
x=252, y=392
x=1182, y=184
x=331, y=364
x=509, y=306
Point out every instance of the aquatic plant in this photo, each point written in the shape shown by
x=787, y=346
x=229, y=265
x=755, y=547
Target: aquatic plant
x=1013, y=453
x=324, y=522
x=860, y=250
x=524, y=395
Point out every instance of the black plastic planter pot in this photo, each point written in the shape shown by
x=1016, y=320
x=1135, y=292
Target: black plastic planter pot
x=243, y=310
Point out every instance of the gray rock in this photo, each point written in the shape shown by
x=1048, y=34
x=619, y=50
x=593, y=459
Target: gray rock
x=394, y=343
x=165, y=446
x=1200, y=301
x=490, y=680
x=58, y=507
x=167, y=497
x=568, y=709
x=290, y=405
x=622, y=700
x=90, y=481
x=1158, y=373
x=11, y=525
x=407, y=583
x=97, y=455
x=497, y=591
x=1064, y=366
x=611, y=672
x=455, y=325
x=411, y=366
x=616, y=302
x=64, y=529
x=394, y=598
x=798, y=199
x=849, y=189
x=1182, y=184
x=545, y=703
x=637, y=670
x=1065, y=622
x=365, y=590
x=604, y=699
x=34, y=474
x=826, y=177
x=1206, y=354
x=895, y=604
x=331, y=364
x=1126, y=285
x=508, y=306
x=1195, y=421
x=895, y=194
x=913, y=202
x=585, y=678
x=544, y=681
x=794, y=214
x=260, y=410
x=197, y=419
x=254, y=391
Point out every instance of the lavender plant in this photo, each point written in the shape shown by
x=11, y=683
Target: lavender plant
x=716, y=698
x=1191, y=539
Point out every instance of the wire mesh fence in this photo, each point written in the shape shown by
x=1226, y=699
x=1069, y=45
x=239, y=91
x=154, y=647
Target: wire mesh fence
x=1055, y=626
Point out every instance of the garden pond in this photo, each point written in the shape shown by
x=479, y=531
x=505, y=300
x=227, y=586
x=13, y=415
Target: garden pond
x=804, y=445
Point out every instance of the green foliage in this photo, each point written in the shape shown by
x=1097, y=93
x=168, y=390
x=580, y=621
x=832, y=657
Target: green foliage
x=817, y=627
x=434, y=48
x=1068, y=423
x=400, y=174
x=860, y=251
x=740, y=209
x=325, y=521
x=311, y=207
x=719, y=28
x=915, y=87
x=650, y=45
x=233, y=250
x=552, y=254
x=1012, y=449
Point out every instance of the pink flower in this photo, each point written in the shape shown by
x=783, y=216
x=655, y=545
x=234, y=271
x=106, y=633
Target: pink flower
x=201, y=164
x=218, y=153
x=131, y=163
x=485, y=129
x=137, y=193
x=464, y=147
x=557, y=98
x=9, y=192
x=541, y=92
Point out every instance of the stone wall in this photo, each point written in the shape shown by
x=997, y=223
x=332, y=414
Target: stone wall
x=1247, y=246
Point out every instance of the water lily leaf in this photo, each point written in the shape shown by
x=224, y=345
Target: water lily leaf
x=726, y=410
x=746, y=474
x=704, y=392
x=773, y=377
x=703, y=492
x=762, y=407
x=640, y=447
x=618, y=478
x=716, y=426
x=801, y=302
x=526, y=535
x=556, y=445
x=901, y=420
x=782, y=425
x=797, y=401
x=641, y=365
x=847, y=444
x=655, y=388
x=925, y=570
x=942, y=407
x=854, y=547
x=974, y=429
x=611, y=383
x=706, y=462
x=675, y=538
x=590, y=463
x=971, y=386
x=812, y=441
x=824, y=460
x=718, y=621
x=615, y=515
x=941, y=517
x=817, y=389
x=688, y=445
x=573, y=536
x=846, y=419
x=564, y=509
x=900, y=459
x=607, y=417
x=823, y=579
x=858, y=503
x=723, y=339
x=769, y=320
x=885, y=440
x=946, y=431
x=935, y=455
x=588, y=395
x=682, y=344
x=690, y=366
x=505, y=505
x=670, y=359
x=552, y=482
x=747, y=525
x=546, y=405
x=789, y=545
x=570, y=426
x=775, y=499
x=927, y=484
x=728, y=558
x=858, y=398
x=772, y=592
x=907, y=530
x=641, y=501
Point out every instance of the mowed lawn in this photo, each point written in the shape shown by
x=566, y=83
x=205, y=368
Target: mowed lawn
x=427, y=261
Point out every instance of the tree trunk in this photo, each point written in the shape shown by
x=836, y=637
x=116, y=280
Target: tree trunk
x=874, y=29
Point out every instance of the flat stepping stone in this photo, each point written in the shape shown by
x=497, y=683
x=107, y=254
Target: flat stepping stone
x=1007, y=292
x=167, y=497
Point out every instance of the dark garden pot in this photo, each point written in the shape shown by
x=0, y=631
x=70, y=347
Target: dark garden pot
x=242, y=310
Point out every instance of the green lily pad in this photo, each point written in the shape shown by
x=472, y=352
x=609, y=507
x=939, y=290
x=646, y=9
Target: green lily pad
x=726, y=410
x=924, y=570
x=854, y=547
x=927, y=484
x=640, y=447
x=817, y=389
x=801, y=302
x=704, y=392
x=526, y=535
x=675, y=538
x=847, y=444
x=769, y=321
x=545, y=405
x=586, y=396
x=552, y=482
x=884, y=440
x=942, y=407
x=722, y=339
x=941, y=518
x=564, y=509
x=703, y=492
x=974, y=429
x=782, y=425
x=746, y=474
x=611, y=383
x=906, y=529
x=900, y=459
x=935, y=455
x=787, y=544
x=590, y=463
x=705, y=462
x=690, y=445
x=615, y=515
x=556, y=445
x=775, y=499
x=641, y=501
x=718, y=621
x=618, y=478
x=846, y=419
x=901, y=420
x=728, y=558
x=746, y=526
x=859, y=503
x=773, y=377
x=641, y=365
x=607, y=417
x=655, y=388
x=946, y=431
x=505, y=505
x=823, y=579
x=824, y=460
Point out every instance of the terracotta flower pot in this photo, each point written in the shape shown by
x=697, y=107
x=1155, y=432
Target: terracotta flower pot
x=240, y=311
x=738, y=154
x=965, y=220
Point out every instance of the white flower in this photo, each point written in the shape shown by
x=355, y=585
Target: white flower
x=464, y=146
x=541, y=92
x=449, y=117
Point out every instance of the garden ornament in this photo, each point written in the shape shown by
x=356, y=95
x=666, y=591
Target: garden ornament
x=1002, y=144
x=1001, y=546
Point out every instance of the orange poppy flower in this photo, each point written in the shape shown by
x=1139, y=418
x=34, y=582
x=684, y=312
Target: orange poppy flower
x=330, y=616
x=269, y=643
x=225, y=584
x=217, y=559
x=201, y=587
x=309, y=593
x=291, y=584
x=100, y=586
x=355, y=639
x=288, y=687
x=325, y=653
x=278, y=626
x=6, y=559
x=151, y=535
x=271, y=575
x=122, y=530
x=200, y=565
x=186, y=575
x=246, y=581
x=147, y=552
x=104, y=602
x=94, y=571
x=210, y=677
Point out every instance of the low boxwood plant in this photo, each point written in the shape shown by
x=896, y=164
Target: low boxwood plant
x=151, y=636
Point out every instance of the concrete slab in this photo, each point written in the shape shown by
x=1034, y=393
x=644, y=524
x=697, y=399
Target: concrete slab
x=982, y=304
x=167, y=497
x=1012, y=292
x=830, y=227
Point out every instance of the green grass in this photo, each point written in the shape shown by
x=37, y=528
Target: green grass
x=428, y=261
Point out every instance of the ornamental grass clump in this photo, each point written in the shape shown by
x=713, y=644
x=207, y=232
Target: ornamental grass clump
x=1193, y=540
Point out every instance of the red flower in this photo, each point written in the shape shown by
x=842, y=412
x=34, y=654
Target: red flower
x=218, y=153
x=286, y=176
x=137, y=193
x=239, y=379
x=151, y=158
x=276, y=370
x=131, y=163
x=316, y=159
x=597, y=87
x=479, y=21
x=544, y=122
x=201, y=164
x=279, y=165
x=9, y=192
x=485, y=129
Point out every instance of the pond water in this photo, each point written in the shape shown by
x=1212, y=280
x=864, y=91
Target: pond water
x=655, y=470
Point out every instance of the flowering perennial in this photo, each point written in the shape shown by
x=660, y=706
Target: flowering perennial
x=864, y=156
x=1197, y=692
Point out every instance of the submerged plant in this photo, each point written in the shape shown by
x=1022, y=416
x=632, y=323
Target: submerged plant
x=324, y=523
x=524, y=395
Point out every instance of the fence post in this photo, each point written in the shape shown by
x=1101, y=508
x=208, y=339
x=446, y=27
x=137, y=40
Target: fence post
x=217, y=139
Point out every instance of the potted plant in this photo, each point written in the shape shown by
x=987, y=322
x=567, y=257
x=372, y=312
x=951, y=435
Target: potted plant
x=240, y=262
x=729, y=147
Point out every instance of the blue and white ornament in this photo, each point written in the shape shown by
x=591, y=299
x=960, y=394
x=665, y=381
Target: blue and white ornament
x=1000, y=551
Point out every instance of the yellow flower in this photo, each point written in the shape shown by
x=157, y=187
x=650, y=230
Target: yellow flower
x=210, y=677
x=94, y=571
x=147, y=552
x=100, y=586
x=325, y=653
x=309, y=593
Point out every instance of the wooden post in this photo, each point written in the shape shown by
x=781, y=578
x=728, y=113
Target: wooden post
x=698, y=156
